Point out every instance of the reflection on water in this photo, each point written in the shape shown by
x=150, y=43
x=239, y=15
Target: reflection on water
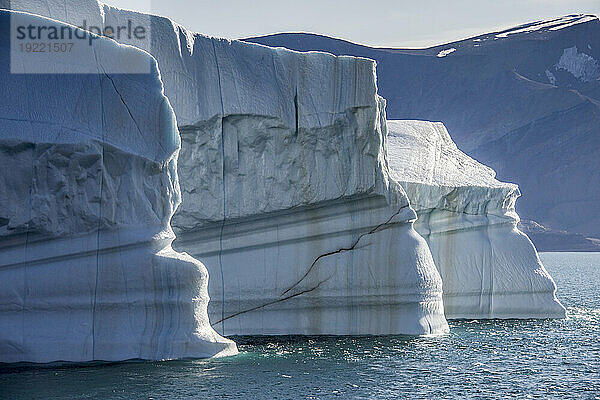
x=477, y=359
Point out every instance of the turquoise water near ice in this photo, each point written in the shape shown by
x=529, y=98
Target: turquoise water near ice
x=479, y=359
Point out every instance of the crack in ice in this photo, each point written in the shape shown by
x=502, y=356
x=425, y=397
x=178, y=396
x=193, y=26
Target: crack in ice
x=352, y=247
x=274, y=301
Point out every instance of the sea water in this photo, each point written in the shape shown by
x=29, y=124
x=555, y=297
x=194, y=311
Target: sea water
x=477, y=359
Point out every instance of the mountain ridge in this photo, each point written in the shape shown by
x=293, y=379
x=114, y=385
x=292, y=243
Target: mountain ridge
x=580, y=17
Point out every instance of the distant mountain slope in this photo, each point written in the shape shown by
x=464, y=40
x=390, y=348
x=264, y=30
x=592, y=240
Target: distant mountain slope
x=525, y=101
x=552, y=240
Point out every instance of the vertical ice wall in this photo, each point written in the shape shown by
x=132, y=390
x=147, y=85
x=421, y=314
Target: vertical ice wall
x=88, y=185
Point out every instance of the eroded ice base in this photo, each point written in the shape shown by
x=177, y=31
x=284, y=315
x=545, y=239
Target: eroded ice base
x=108, y=296
x=351, y=267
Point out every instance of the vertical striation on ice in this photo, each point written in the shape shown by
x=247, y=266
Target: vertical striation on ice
x=88, y=186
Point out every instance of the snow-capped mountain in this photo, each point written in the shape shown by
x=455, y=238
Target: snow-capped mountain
x=525, y=101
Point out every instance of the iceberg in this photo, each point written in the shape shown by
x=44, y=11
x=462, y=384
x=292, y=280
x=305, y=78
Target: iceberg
x=88, y=186
x=489, y=268
x=304, y=232
x=300, y=203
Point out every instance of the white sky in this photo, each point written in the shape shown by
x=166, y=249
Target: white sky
x=401, y=23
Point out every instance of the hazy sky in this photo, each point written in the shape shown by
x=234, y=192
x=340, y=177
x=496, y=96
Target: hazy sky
x=416, y=23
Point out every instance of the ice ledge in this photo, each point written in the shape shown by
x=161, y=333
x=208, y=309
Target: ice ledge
x=489, y=268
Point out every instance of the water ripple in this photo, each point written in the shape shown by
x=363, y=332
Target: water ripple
x=479, y=359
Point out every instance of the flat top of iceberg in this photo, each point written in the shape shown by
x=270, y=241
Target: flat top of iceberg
x=423, y=152
x=85, y=102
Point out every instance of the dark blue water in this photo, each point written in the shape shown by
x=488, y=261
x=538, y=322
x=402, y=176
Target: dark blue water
x=478, y=359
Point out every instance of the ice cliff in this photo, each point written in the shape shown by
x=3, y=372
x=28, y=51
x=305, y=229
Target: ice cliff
x=88, y=185
x=489, y=268
x=289, y=201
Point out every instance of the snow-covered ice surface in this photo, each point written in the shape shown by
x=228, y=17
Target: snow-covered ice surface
x=551, y=77
x=489, y=268
x=578, y=20
x=88, y=185
x=552, y=25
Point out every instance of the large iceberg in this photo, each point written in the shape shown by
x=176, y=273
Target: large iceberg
x=289, y=201
x=489, y=268
x=306, y=233
x=88, y=185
